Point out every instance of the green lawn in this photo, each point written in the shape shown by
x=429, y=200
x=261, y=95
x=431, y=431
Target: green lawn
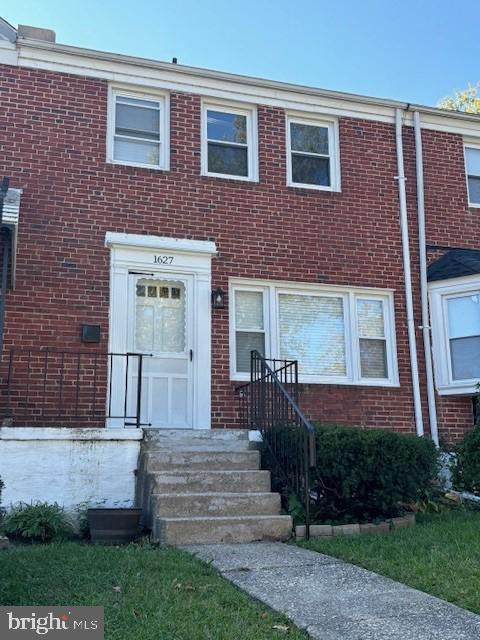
x=439, y=555
x=148, y=593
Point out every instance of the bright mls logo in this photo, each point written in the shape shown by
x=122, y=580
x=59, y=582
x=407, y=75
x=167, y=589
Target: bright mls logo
x=59, y=623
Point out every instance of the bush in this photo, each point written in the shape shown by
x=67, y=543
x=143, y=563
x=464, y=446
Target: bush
x=466, y=468
x=40, y=522
x=365, y=474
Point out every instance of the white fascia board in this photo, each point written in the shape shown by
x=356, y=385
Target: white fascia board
x=68, y=433
x=159, y=242
x=136, y=71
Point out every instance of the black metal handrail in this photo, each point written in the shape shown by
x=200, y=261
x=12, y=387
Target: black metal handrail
x=269, y=404
x=79, y=387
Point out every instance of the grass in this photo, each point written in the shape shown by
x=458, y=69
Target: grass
x=149, y=593
x=440, y=555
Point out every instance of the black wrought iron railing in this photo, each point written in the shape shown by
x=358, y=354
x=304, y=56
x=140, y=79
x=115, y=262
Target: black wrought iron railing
x=269, y=403
x=76, y=388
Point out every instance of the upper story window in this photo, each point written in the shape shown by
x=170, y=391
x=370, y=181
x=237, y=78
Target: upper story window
x=472, y=162
x=229, y=142
x=138, y=130
x=455, y=311
x=313, y=160
x=338, y=336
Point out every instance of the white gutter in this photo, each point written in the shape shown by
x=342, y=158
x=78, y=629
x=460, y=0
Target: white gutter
x=422, y=241
x=417, y=402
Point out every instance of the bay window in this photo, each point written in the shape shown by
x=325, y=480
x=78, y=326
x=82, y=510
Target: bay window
x=455, y=310
x=343, y=336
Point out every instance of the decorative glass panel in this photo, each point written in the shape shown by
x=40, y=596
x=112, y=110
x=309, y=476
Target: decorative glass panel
x=228, y=160
x=309, y=138
x=163, y=292
x=373, y=358
x=160, y=322
x=465, y=358
x=245, y=343
x=310, y=170
x=370, y=318
x=136, y=151
x=464, y=316
x=312, y=331
x=176, y=293
x=152, y=292
x=249, y=311
x=141, y=290
x=227, y=127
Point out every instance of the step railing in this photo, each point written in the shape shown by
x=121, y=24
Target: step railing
x=269, y=404
x=51, y=387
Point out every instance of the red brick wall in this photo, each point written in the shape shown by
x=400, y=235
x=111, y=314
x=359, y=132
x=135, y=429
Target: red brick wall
x=53, y=133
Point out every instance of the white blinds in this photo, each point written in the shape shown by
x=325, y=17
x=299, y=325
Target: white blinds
x=372, y=341
x=249, y=327
x=312, y=331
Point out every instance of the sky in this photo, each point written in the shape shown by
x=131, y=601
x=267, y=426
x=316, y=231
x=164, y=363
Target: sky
x=411, y=50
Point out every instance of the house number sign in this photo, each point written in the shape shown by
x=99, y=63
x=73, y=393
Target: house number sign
x=163, y=259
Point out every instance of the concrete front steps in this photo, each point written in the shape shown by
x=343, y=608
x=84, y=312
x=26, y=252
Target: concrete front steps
x=206, y=487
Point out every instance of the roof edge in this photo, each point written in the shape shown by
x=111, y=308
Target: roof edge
x=252, y=81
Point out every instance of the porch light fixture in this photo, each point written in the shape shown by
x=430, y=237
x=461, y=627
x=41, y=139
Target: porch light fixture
x=218, y=298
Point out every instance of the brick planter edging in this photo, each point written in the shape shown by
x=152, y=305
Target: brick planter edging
x=354, y=529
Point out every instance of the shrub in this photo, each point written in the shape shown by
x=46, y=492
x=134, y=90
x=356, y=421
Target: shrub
x=466, y=468
x=41, y=522
x=366, y=474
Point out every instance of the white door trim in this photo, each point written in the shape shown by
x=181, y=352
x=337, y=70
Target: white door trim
x=157, y=255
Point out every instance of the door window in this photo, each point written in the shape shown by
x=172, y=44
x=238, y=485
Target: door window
x=160, y=316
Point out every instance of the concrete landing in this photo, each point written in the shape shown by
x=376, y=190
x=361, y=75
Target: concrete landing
x=333, y=600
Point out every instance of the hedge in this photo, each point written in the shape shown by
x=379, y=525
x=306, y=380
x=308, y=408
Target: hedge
x=364, y=475
x=466, y=468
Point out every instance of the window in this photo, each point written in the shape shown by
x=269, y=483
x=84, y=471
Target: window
x=137, y=130
x=455, y=312
x=472, y=162
x=313, y=160
x=464, y=336
x=249, y=326
x=229, y=142
x=338, y=336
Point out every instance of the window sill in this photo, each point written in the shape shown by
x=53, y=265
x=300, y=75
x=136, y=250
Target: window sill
x=467, y=389
x=230, y=178
x=474, y=205
x=331, y=382
x=312, y=187
x=137, y=165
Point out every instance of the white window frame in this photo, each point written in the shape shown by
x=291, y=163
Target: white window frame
x=331, y=124
x=163, y=100
x=272, y=289
x=439, y=293
x=250, y=112
x=470, y=145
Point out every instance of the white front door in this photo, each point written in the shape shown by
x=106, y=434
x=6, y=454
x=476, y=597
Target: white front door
x=160, y=325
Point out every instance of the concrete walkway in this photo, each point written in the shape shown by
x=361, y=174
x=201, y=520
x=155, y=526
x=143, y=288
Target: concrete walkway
x=333, y=600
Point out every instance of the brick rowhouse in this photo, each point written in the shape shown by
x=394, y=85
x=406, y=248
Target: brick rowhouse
x=53, y=133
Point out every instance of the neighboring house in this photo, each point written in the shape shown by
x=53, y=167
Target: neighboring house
x=197, y=215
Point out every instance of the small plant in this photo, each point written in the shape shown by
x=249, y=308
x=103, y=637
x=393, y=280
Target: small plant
x=39, y=522
x=466, y=468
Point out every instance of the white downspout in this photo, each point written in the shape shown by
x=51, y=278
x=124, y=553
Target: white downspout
x=422, y=242
x=417, y=403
